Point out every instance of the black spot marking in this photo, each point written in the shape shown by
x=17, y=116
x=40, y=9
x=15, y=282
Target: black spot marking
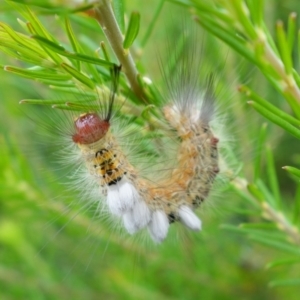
x=101, y=152
x=109, y=172
x=114, y=181
x=198, y=200
x=171, y=218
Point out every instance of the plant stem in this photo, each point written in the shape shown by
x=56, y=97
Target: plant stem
x=105, y=16
x=282, y=223
x=269, y=213
x=291, y=85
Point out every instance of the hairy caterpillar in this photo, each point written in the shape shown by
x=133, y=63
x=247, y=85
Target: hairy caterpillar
x=138, y=201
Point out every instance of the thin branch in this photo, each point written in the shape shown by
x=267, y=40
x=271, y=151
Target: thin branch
x=105, y=16
x=291, y=85
x=270, y=214
x=282, y=223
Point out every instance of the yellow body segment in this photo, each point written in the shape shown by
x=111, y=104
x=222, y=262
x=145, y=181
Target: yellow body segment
x=105, y=160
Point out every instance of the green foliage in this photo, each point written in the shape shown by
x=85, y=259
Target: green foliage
x=260, y=202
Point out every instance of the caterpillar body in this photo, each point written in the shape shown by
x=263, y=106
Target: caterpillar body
x=138, y=201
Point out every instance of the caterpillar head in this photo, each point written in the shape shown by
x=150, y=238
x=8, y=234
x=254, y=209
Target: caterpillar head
x=89, y=128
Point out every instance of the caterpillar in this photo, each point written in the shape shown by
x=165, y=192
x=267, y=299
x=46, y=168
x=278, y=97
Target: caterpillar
x=138, y=201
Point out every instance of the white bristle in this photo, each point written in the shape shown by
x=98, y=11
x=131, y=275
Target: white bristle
x=137, y=218
x=121, y=197
x=159, y=226
x=195, y=116
x=188, y=218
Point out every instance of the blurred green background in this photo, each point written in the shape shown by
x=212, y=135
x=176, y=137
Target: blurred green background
x=52, y=248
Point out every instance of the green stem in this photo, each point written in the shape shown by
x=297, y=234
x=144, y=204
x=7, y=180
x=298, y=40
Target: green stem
x=282, y=223
x=105, y=16
x=290, y=83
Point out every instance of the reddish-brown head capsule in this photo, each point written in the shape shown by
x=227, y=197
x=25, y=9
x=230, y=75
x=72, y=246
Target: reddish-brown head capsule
x=89, y=129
